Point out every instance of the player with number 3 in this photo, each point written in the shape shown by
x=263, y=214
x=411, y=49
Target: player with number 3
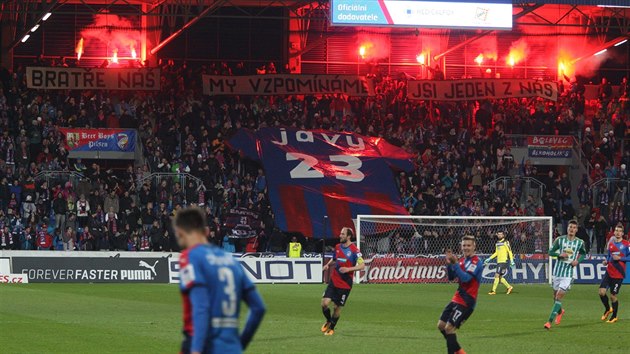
x=212, y=284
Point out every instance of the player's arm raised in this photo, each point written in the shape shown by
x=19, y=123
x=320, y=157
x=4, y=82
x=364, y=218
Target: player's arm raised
x=257, y=311
x=465, y=276
x=448, y=255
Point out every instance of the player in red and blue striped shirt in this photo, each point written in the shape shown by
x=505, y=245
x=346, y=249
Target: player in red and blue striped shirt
x=468, y=270
x=347, y=259
x=618, y=255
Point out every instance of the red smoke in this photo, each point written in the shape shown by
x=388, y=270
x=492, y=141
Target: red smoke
x=518, y=52
x=117, y=34
x=558, y=49
x=572, y=48
x=374, y=46
x=486, y=47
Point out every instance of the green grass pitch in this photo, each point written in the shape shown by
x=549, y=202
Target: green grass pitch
x=124, y=318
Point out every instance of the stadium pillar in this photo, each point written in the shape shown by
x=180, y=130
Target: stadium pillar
x=296, y=24
x=150, y=35
x=6, y=40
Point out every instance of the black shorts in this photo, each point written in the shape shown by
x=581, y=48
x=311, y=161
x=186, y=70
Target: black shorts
x=611, y=283
x=337, y=295
x=455, y=314
x=502, y=268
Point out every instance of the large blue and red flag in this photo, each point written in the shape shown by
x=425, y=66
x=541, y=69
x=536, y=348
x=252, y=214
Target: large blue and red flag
x=318, y=181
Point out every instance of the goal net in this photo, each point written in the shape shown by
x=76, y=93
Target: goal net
x=410, y=249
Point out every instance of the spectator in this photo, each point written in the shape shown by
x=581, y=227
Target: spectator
x=155, y=234
x=44, y=240
x=60, y=208
x=294, y=249
x=148, y=217
x=69, y=237
x=83, y=210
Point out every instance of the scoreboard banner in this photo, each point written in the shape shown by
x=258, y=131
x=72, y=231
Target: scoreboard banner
x=92, y=270
x=60, y=78
x=460, y=14
x=266, y=85
x=83, y=139
x=480, y=89
x=318, y=181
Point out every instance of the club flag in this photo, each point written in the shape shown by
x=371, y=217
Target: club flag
x=318, y=181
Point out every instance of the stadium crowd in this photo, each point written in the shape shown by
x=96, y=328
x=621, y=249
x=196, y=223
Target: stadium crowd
x=460, y=148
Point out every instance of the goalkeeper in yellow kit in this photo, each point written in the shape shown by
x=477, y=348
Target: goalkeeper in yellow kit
x=503, y=254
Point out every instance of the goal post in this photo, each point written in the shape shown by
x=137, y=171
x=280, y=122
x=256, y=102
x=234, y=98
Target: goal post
x=410, y=249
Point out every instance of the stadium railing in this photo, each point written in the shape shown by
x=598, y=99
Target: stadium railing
x=52, y=178
x=182, y=178
x=614, y=186
x=526, y=186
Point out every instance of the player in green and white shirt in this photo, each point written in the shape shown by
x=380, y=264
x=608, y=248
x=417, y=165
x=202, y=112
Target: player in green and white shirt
x=570, y=251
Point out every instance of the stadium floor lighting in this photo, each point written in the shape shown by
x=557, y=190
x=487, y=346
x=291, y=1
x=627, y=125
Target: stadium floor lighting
x=620, y=43
x=34, y=28
x=601, y=52
x=46, y=16
x=25, y=38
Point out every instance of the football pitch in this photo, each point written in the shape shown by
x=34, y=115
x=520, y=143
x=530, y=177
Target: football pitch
x=124, y=318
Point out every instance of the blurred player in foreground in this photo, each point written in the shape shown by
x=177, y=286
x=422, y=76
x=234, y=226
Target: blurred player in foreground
x=503, y=254
x=570, y=251
x=212, y=285
x=618, y=255
x=347, y=259
x=468, y=269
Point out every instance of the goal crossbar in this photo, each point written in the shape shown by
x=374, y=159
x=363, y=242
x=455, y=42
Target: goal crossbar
x=430, y=221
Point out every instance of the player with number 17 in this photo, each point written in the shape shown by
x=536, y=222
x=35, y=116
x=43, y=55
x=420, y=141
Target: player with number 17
x=467, y=270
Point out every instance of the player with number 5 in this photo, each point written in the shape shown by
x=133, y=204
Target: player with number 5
x=212, y=285
x=468, y=270
x=347, y=259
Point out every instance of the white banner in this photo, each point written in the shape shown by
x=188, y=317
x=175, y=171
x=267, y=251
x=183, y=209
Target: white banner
x=59, y=78
x=259, y=270
x=270, y=270
x=261, y=85
x=287, y=270
x=5, y=265
x=480, y=89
